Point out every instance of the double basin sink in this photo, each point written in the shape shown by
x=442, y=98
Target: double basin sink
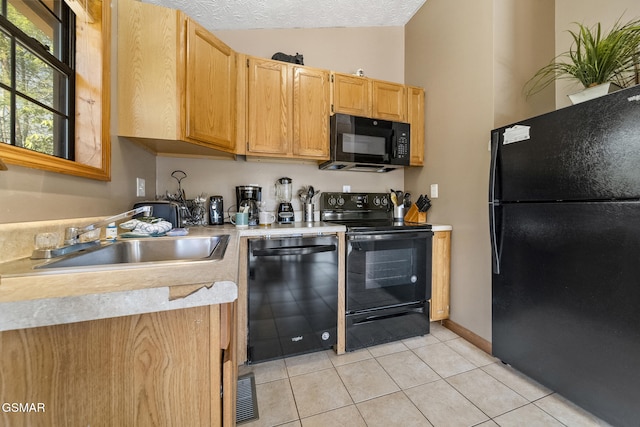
x=148, y=250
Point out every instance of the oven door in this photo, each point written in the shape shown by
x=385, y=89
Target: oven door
x=387, y=269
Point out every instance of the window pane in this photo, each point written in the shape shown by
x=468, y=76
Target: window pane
x=36, y=21
x=34, y=127
x=5, y=59
x=5, y=116
x=40, y=81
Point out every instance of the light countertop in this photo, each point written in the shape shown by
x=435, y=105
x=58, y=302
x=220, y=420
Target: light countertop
x=441, y=227
x=30, y=298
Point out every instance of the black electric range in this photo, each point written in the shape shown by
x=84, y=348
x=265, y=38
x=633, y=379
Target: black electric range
x=387, y=269
x=363, y=213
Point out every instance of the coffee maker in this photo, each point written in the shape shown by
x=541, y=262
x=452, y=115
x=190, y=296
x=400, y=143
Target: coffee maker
x=249, y=196
x=284, y=193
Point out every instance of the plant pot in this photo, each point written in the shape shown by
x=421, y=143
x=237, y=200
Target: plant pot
x=593, y=92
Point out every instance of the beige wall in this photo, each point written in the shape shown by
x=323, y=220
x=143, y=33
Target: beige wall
x=472, y=57
x=33, y=195
x=523, y=41
x=588, y=12
x=449, y=53
x=379, y=51
x=220, y=177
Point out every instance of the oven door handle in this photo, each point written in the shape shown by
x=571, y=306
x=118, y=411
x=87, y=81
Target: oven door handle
x=396, y=235
x=294, y=250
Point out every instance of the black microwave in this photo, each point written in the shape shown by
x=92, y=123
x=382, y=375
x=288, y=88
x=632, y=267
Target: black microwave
x=369, y=145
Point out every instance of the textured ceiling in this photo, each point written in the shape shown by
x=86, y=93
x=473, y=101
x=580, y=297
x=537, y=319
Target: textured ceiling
x=253, y=14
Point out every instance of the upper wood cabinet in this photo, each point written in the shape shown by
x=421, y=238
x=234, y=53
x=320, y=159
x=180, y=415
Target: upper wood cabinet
x=310, y=112
x=350, y=95
x=210, y=88
x=176, y=82
x=287, y=111
x=361, y=96
x=268, y=107
x=388, y=101
x=415, y=116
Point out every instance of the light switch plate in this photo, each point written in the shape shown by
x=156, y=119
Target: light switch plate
x=434, y=191
x=140, y=187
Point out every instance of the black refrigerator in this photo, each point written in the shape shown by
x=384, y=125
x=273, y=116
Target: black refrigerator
x=564, y=213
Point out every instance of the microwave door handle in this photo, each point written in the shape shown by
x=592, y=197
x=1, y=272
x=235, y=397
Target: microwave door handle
x=394, y=138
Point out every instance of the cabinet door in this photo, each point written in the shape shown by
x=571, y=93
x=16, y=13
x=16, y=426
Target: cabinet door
x=389, y=101
x=351, y=95
x=148, y=70
x=149, y=369
x=415, y=114
x=440, y=279
x=268, y=112
x=310, y=113
x=210, y=89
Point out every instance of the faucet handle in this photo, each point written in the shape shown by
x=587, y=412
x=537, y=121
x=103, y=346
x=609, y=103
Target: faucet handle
x=71, y=235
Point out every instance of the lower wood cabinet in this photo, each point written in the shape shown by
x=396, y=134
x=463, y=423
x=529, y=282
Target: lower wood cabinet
x=441, y=275
x=156, y=369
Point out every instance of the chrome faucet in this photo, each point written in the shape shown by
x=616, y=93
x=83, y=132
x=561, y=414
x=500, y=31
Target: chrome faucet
x=72, y=235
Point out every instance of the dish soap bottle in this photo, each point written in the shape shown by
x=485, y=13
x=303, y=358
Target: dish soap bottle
x=111, y=232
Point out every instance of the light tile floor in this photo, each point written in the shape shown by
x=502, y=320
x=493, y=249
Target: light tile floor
x=436, y=380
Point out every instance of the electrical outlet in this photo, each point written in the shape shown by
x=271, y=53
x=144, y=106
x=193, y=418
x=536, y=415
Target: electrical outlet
x=434, y=191
x=346, y=189
x=140, y=187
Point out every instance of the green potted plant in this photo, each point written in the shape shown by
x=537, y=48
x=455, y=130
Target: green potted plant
x=595, y=59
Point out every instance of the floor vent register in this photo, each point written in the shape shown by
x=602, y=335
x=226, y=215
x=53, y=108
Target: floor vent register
x=246, y=402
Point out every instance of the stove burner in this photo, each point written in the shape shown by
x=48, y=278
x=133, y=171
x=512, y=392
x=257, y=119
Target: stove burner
x=363, y=212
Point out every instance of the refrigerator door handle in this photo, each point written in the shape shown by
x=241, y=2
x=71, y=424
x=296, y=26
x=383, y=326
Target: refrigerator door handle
x=494, y=225
x=495, y=140
x=494, y=205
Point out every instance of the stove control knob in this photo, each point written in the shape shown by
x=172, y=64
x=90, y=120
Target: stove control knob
x=340, y=201
x=376, y=201
x=385, y=201
x=332, y=200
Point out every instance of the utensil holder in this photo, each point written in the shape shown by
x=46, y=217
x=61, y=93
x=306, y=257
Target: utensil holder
x=398, y=213
x=309, y=209
x=413, y=215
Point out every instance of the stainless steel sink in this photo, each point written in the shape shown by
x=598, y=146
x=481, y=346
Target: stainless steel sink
x=161, y=249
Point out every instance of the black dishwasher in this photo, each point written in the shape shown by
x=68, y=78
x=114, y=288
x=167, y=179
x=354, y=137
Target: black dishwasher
x=293, y=296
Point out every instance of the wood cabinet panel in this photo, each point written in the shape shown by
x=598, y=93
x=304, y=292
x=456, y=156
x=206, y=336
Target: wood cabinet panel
x=441, y=275
x=147, y=370
x=176, y=82
x=388, y=101
x=210, y=88
x=268, y=107
x=415, y=116
x=287, y=110
x=148, y=70
x=351, y=95
x=310, y=112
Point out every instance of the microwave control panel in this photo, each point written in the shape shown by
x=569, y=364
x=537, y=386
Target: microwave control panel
x=403, y=145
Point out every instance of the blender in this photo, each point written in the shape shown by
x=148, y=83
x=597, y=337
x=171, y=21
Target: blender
x=284, y=193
